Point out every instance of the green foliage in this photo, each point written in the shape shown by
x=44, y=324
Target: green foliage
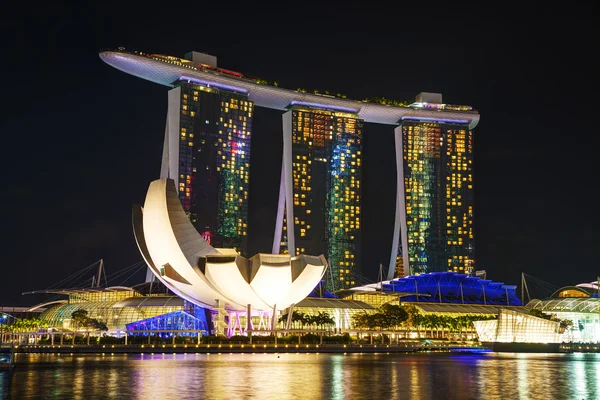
x=238, y=339
x=564, y=323
x=81, y=319
x=391, y=317
x=215, y=339
x=26, y=325
x=320, y=320
x=389, y=102
x=395, y=314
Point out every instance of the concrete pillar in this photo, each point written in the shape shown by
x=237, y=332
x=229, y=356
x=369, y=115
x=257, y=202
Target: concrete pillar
x=62, y=336
x=288, y=324
x=274, y=319
x=249, y=317
x=173, y=338
x=249, y=322
x=199, y=336
x=400, y=216
x=149, y=337
x=126, y=335
x=52, y=338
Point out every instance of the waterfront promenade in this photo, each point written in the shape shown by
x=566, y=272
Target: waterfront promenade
x=402, y=347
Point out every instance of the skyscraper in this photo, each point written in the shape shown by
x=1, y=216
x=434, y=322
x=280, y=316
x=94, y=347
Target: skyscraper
x=207, y=152
x=435, y=191
x=320, y=201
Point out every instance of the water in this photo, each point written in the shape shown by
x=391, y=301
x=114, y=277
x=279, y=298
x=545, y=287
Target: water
x=304, y=376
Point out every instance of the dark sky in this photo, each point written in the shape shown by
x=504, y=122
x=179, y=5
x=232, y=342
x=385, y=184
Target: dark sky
x=82, y=141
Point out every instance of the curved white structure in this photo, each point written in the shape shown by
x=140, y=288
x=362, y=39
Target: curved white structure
x=182, y=260
x=166, y=70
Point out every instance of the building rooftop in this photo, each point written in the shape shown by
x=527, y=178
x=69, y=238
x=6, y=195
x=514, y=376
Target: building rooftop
x=169, y=71
x=465, y=308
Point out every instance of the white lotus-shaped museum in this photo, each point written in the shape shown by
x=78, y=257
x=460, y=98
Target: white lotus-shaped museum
x=210, y=277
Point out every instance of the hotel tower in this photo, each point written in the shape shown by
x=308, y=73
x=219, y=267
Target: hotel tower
x=319, y=208
x=207, y=152
x=434, y=212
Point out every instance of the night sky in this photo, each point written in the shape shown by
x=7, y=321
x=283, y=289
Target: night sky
x=82, y=140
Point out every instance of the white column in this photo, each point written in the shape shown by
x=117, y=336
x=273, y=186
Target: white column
x=280, y=212
x=173, y=132
x=164, y=166
x=274, y=319
x=288, y=324
x=249, y=318
x=289, y=188
x=400, y=217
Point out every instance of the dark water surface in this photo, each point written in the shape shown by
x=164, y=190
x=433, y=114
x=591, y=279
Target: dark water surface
x=304, y=376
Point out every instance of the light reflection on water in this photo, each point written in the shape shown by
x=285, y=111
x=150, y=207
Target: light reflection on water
x=304, y=376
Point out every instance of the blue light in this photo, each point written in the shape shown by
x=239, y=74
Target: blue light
x=450, y=285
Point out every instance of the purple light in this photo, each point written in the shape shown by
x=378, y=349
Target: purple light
x=325, y=106
x=460, y=121
x=215, y=84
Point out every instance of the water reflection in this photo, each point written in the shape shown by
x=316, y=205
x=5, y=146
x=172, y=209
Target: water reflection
x=304, y=376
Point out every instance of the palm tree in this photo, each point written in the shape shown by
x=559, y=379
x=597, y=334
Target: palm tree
x=327, y=320
x=311, y=320
x=418, y=320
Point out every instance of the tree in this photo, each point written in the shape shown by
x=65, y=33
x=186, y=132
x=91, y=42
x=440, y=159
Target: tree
x=565, y=324
x=27, y=325
x=320, y=320
x=394, y=314
x=296, y=317
x=80, y=317
x=98, y=325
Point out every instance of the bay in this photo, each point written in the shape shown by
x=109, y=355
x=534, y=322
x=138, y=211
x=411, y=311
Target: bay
x=303, y=376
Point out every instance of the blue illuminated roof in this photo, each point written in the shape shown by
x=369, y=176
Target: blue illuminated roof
x=447, y=287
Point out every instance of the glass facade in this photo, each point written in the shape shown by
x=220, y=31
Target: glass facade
x=108, y=311
x=342, y=312
x=326, y=173
x=583, y=312
x=438, y=183
x=214, y=163
x=512, y=326
x=177, y=320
